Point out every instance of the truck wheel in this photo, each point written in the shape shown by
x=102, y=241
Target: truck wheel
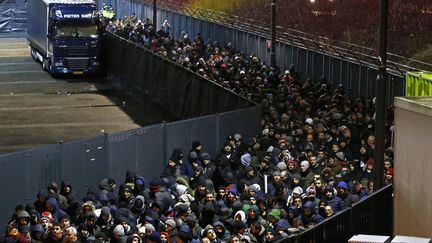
x=32, y=53
x=46, y=64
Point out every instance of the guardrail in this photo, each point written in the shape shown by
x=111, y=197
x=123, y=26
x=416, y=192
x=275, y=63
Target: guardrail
x=372, y=215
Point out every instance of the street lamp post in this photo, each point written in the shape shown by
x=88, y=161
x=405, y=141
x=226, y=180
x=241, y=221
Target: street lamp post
x=381, y=98
x=273, y=34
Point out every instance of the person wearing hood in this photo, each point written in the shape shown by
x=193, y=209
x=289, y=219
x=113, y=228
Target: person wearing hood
x=209, y=167
x=256, y=232
x=106, y=194
x=173, y=168
x=309, y=217
x=221, y=233
x=266, y=167
x=84, y=234
x=343, y=192
x=90, y=222
x=66, y=191
x=39, y=203
x=139, y=187
x=53, y=191
x=52, y=206
x=118, y=234
x=333, y=200
x=170, y=229
x=105, y=220
x=126, y=196
x=23, y=219
x=138, y=207
x=210, y=234
x=252, y=215
x=37, y=233
x=86, y=208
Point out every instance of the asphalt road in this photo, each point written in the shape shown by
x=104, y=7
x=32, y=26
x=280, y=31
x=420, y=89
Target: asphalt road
x=37, y=109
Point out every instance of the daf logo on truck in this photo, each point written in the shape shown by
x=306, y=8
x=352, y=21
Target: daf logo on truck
x=64, y=35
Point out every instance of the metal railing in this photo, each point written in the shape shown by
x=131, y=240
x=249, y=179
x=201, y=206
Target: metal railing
x=372, y=215
x=397, y=64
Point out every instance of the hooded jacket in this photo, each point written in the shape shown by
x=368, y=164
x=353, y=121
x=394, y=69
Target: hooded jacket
x=57, y=213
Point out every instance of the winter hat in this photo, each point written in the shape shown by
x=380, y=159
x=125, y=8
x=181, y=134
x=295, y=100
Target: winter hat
x=265, y=132
x=232, y=189
x=105, y=210
x=24, y=228
x=154, y=236
x=155, y=184
x=305, y=163
x=224, y=212
x=205, y=156
x=37, y=228
x=182, y=208
x=236, y=206
x=119, y=229
x=139, y=181
x=193, y=155
x=309, y=121
x=255, y=208
x=329, y=189
x=298, y=190
x=246, y=159
x=191, y=219
x=283, y=224
x=275, y=213
x=196, y=144
x=47, y=215
x=237, y=136
x=149, y=227
x=276, y=173
x=23, y=214
x=240, y=225
x=342, y=184
x=281, y=165
x=309, y=205
x=171, y=223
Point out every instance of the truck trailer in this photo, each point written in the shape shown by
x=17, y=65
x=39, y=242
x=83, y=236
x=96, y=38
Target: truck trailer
x=64, y=35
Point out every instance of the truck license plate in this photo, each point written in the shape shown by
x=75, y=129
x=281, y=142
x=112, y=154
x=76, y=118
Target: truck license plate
x=78, y=72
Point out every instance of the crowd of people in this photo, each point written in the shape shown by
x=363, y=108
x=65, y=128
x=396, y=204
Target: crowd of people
x=311, y=160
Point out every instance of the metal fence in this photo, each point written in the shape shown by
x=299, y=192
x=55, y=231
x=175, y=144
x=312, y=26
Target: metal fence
x=373, y=216
x=85, y=162
x=312, y=59
x=13, y=18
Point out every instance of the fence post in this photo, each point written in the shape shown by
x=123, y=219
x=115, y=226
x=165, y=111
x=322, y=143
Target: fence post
x=217, y=127
x=60, y=162
x=107, y=156
x=164, y=143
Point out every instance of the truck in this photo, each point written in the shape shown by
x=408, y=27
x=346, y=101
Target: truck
x=64, y=35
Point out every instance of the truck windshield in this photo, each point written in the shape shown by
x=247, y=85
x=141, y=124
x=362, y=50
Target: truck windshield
x=76, y=30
